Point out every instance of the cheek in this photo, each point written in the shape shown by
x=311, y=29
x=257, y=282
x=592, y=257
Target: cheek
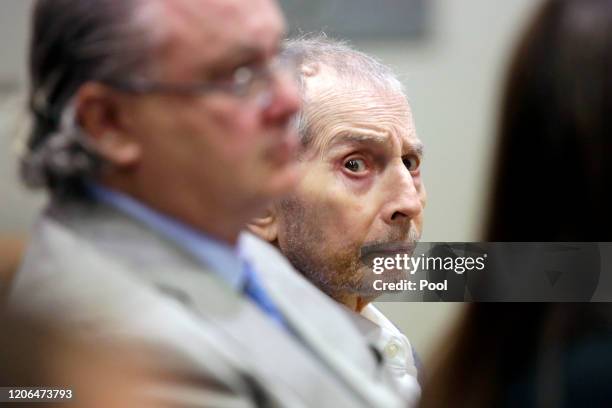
x=341, y=213
x=233, y=118
x=236, y=121
x=153, y=117
x=163, y=131
x=230, y=132
x=241, y=133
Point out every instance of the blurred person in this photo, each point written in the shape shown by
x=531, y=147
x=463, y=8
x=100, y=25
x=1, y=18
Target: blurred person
x=524, y=355
x=160, y=128
x=362, y=193
x=41, y=355
x=11, y=251
x=555, y=113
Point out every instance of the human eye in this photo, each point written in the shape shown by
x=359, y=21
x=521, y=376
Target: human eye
x=237, y=81
x=235, y=73
x=355, y=165
x=412, y=163
x=242, y=75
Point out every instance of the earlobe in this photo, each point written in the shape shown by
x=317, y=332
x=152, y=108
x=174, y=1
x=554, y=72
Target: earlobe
x=265, y=226
x=122, y=152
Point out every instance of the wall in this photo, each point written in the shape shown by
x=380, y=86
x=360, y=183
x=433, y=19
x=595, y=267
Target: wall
x=17, y=206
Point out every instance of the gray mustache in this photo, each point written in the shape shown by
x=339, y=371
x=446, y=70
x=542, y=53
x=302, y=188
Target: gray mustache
x=395, y=245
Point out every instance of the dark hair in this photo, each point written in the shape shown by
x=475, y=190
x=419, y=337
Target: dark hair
x=551, y=184
x=73, y=42
x=553, y=175
x=524, y=355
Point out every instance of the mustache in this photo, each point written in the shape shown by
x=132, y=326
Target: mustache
x=392, y=245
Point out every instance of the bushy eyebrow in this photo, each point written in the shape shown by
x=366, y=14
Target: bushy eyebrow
x=415, y=147
x=357, y=138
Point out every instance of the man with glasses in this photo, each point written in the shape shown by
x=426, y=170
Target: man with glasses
x=160, y=127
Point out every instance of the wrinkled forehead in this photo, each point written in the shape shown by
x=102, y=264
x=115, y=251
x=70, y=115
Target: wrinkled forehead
x=334, y=109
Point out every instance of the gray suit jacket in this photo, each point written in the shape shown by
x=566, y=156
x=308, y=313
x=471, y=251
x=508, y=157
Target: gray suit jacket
x=106, y=275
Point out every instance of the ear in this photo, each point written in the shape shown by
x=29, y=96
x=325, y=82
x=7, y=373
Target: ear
x=310, y=69
x=266, y=225
x=101, y=113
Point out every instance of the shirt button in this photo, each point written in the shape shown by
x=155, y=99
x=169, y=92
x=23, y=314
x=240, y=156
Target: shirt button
x=391, y=350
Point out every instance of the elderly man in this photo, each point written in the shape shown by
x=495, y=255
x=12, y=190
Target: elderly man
x=362, y=194
x=160, y=128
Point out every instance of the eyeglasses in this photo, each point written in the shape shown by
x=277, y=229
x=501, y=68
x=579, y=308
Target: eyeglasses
x=246, y=82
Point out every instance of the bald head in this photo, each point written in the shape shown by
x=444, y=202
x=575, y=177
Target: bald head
x=331, y=68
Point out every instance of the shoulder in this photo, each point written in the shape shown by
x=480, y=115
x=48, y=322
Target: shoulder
x=96, y=296
x=68, y=277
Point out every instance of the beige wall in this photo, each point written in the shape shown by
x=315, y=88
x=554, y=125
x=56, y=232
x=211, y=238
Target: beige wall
x=452, y=80
x=16, y=205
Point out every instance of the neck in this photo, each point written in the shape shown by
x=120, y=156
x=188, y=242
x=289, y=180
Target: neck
x=223, y=223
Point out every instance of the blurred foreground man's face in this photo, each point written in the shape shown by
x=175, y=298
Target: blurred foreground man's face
x=362, y=194
x=233, y=150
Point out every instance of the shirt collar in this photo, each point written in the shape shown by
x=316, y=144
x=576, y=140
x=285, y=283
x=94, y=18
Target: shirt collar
x=374, y=315
x=222, y=258
x=393, y=343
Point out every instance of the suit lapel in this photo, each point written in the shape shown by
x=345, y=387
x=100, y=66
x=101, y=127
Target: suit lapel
x=266, y=349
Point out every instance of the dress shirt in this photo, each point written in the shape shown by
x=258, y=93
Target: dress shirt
x=396, y=351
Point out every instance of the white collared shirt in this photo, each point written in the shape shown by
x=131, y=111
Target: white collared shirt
x=396, y=351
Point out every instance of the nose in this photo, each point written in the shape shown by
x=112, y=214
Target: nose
x=404, y=200
x=285, y=100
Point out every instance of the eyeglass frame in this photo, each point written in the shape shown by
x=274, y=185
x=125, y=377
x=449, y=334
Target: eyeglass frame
x=240, y=88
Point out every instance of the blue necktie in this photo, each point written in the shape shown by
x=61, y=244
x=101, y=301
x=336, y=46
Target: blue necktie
x=254, y=290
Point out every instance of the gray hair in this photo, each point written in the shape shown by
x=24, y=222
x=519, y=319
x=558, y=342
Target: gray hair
x=351, y=66
x=73, y=42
